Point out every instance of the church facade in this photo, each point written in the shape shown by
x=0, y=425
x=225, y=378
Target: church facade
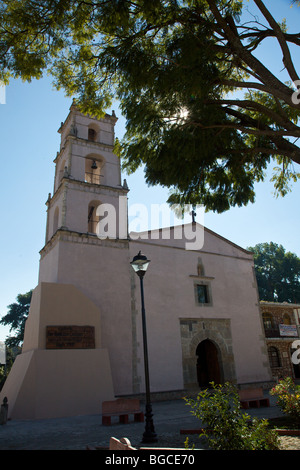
x=83, y=337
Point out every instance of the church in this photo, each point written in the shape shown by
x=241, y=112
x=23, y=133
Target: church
x=83, y=340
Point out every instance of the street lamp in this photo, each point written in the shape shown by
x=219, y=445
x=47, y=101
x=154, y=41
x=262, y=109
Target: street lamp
x=140, y=264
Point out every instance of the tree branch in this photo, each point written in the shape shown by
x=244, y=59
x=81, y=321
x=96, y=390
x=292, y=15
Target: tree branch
x=240, y=84
x=292, y=129
x=246, y=130
x=265, y=76
x=287, y=60
x=259, y=35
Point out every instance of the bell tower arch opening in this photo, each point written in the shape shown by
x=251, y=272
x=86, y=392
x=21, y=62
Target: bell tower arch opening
x=93, y=169
x=208, y=363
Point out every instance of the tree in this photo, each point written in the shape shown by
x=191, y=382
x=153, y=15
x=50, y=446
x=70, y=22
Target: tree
x=178, y=69
x=11, y=353
x=277, y=273
x=16, y=318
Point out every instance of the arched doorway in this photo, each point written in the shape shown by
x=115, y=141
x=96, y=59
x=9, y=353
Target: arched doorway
x=208, y=363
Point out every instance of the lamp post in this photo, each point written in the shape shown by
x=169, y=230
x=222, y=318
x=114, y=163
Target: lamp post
x=140, y=264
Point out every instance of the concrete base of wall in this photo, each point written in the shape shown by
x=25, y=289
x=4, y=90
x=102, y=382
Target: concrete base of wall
x=58, y=383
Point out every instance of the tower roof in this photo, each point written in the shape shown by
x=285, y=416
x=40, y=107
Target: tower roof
x=75, y=110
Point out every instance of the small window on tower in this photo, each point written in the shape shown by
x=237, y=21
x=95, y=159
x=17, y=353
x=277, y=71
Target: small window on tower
x=93, y=218
x=92, y=134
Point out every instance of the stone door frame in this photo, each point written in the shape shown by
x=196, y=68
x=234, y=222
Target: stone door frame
x=193, y=332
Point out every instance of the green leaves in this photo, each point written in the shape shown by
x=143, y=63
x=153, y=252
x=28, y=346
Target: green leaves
x=16, y=318
x=283, y=176
x=288, y=399
x=171, y=65
x=225, y=426
x=277, y=273
x=30, y=35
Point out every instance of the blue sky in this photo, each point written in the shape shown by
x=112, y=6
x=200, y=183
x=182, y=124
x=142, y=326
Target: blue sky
x=28, y=144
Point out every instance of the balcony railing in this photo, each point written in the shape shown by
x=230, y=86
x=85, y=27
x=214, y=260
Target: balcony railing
x=272, y=332
x=92, y=178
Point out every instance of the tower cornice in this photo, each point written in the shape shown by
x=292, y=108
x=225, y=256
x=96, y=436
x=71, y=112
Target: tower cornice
x=84, y=143
x=84, y=186
x=63, y=234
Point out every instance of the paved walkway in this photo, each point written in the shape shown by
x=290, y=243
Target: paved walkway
x=76, y=433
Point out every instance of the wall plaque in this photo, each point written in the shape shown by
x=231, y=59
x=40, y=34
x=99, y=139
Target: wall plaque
x=70, y=337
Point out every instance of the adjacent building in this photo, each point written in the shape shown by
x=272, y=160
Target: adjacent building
x=282, y=329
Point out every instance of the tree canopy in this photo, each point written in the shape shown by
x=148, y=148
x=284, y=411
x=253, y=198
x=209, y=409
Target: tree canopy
x=277, y=273
x=204, y=115
x=16, y=317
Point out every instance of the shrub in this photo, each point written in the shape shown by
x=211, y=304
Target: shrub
x=226, y=426
x=288, y=398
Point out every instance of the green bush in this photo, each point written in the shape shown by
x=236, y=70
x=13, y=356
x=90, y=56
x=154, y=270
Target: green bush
x=288, y=398
x=226, y=426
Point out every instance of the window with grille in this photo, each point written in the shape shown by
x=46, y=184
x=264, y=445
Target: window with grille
x=203, y=294
x=274, y=357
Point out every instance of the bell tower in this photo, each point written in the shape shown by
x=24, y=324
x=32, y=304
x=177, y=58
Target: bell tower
x=87, y=175
x=68, y=365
